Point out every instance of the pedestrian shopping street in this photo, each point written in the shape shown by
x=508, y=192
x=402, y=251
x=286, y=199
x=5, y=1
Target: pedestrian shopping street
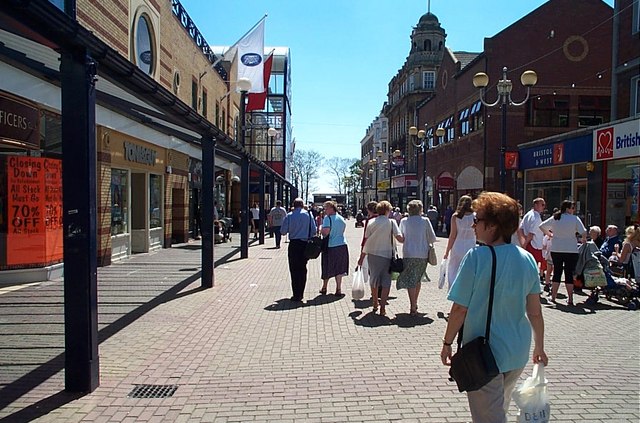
x=241, y=351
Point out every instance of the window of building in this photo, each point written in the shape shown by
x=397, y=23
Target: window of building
x=155, y=201
x=476, y=120
x=204, y=102
x=119, y=201
x=635, y=96
x=412, y=82
x=194, y=94
x=464, y=122
x=548, y=110
x=217, y=116
x=427, y=45
x=224, y=121
x=144, y=48
x=593, y=110
x=429, y=80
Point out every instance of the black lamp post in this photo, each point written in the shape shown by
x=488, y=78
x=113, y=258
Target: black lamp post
x=244, y=85
x=480, y=81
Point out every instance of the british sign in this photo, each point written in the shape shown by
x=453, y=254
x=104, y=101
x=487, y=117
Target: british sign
x=617, y=141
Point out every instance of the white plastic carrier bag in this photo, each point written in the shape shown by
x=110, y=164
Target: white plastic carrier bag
x=531, y=398
x=357, y=289
x=442, y=279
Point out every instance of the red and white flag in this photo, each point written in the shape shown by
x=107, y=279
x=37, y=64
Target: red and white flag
x=257, y=101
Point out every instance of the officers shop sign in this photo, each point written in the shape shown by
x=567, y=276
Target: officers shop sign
x=19, y=122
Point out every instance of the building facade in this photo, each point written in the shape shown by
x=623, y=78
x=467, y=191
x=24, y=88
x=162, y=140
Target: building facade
x=414, y=82
x=149, y=159
x=570, y=57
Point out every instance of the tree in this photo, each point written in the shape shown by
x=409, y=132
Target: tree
x=304, y=168
x=339, y=167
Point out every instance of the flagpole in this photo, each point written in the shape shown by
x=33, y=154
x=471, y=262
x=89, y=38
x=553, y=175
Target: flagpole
x=219, y=59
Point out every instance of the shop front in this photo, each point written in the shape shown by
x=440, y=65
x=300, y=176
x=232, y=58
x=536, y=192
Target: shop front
x=131, y=195
x=598, y=168
x=404, y=188
x=617, y=148
x=445, y=189
x=31, y=234
x=557, y=170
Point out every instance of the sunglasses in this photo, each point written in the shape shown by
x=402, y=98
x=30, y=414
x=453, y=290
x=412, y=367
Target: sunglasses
x=476, y=220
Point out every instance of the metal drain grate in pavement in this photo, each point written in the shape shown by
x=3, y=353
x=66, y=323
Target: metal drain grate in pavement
x=152, y=391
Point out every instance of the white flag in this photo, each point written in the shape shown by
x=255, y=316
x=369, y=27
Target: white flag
x=250, y=62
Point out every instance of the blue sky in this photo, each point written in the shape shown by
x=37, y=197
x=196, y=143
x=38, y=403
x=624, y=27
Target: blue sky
x=345, y=52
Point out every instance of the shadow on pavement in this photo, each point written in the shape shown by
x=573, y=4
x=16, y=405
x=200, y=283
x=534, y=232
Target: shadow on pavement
x=402, y=320
x=285, y=304
x=29, y=381
x=42, y=407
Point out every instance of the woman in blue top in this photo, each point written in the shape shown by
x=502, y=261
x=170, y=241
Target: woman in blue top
x=516, y=305
x=335, y=260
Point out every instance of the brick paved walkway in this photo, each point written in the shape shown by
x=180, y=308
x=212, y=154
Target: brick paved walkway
x=242, y=352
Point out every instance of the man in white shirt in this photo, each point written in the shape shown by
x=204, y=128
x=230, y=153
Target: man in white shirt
x=276, y=217
x=530, y=230
x=255, y=220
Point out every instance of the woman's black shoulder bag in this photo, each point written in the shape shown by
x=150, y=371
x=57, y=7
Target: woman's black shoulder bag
x=473, y=365
x=314, y=243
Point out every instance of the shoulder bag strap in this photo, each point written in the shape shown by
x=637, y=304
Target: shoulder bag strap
x=310, y=227
x=493, y=283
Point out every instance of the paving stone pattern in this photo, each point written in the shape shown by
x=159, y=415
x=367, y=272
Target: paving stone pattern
x=242, y=351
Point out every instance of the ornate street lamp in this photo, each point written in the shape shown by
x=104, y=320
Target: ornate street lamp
x=480, y=81
x=425, y=144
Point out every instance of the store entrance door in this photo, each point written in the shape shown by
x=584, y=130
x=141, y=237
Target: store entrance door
x=139, y=224
x=580, y=196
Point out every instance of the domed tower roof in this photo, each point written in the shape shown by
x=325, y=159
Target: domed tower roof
x=428, y=35
x=428, y=21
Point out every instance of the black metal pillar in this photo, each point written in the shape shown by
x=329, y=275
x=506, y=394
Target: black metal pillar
x=503, y=148
x=281, y=194
x=244, y=208
x=263, y=214
x=272, y=191
x=77, y=77
x=208, y=177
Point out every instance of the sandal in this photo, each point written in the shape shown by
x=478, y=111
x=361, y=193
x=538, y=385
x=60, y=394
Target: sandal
x=338, y=294
x=323, y=291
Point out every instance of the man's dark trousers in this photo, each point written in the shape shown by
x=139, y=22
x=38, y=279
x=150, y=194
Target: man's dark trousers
x=297, y=267
x=276, y=230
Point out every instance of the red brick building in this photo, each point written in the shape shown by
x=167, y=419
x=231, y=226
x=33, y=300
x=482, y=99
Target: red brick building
x=568, y=44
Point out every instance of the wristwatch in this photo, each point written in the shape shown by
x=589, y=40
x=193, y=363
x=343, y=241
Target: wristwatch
x=445, y=343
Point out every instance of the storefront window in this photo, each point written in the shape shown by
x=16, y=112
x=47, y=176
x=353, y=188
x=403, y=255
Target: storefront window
x=155, y=201
x=623, y=190
x=556, y=184
x=119, y=201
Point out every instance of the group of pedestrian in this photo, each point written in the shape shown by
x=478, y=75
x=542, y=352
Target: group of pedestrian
x=526, y=248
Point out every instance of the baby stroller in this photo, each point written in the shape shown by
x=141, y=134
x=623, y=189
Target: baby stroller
x=622, y=290
x=222, y=230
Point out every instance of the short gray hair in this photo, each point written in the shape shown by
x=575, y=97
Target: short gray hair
x=414, y=207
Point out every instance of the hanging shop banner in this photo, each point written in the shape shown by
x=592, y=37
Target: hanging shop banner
x=617, y=141
x=511, y=160
x=34, y=207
